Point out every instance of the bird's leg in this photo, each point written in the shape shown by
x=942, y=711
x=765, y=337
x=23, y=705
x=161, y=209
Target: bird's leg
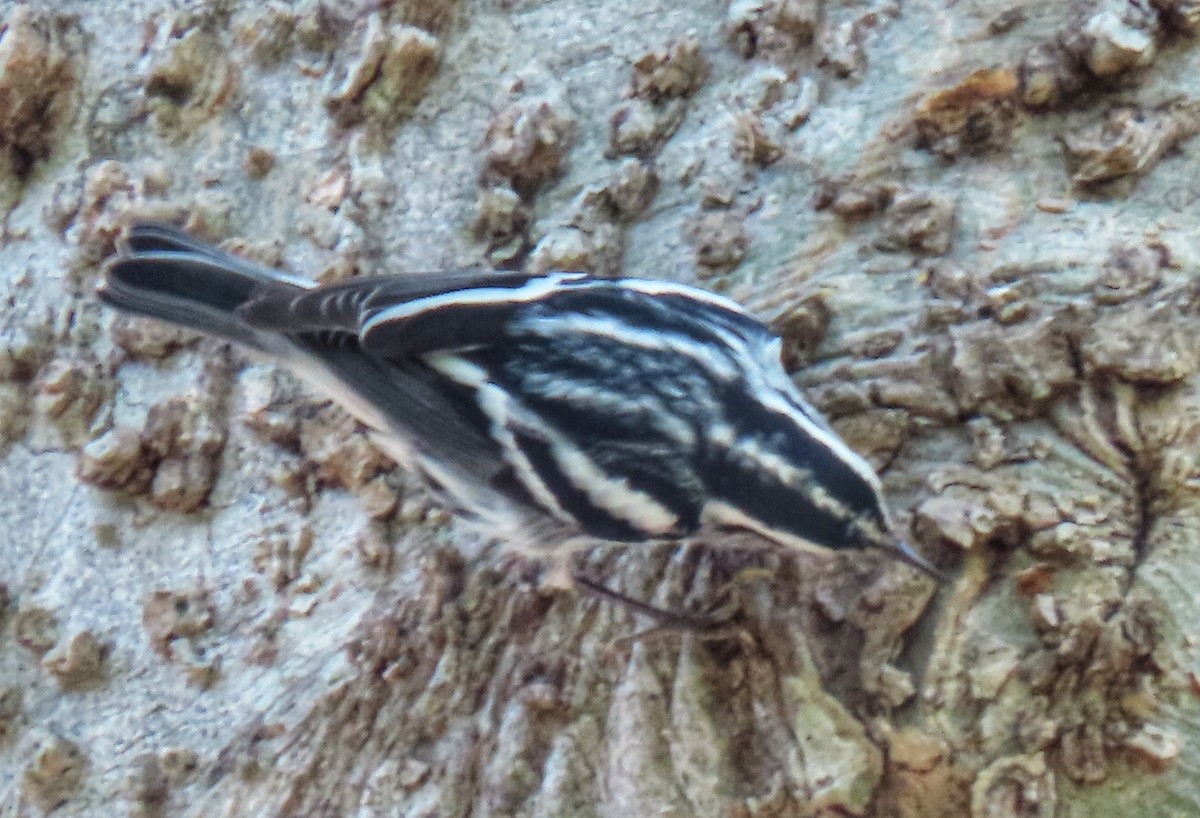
x=561, y=574
x=665, y=621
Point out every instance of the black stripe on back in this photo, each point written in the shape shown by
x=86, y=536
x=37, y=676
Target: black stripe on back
x=563, y=369
x=678, y=314
x=763, y=496
x=352, y=304
x=661, y=471
x=836, y=476
x=552, y=379
x=592, y=520
x=449, y=327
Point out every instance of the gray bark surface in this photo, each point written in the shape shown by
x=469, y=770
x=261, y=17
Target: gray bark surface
x=975, y=225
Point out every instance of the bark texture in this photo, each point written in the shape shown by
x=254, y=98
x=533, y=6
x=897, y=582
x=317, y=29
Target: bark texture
x=976, y=226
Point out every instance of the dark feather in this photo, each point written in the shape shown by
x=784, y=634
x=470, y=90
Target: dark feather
x=152, y=237
x=172, y=278
x=438, y=419
x=350, y=305
x=191, y=290
x=618, y=410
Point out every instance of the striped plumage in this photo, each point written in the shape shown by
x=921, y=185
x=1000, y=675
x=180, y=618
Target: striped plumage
x=558, y=409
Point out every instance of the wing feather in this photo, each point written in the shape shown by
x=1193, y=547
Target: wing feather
x=402, y=316
x=158, y=239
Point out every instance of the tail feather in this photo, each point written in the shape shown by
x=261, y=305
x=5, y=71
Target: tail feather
x=170, y=276
x=152, y=237
x=149, y=237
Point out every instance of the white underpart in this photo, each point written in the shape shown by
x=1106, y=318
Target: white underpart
x=558, y=326
x=722, y=513
x=532, y=290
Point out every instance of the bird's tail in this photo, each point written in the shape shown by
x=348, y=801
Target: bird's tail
x=163, y=273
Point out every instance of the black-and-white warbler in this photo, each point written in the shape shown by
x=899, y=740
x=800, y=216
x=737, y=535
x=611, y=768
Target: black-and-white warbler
x=561, y=410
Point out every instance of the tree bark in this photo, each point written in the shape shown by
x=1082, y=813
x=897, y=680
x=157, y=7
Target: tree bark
x=974, y=225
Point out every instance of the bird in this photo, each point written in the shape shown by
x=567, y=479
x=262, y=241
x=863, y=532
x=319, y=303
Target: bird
x=557, y=410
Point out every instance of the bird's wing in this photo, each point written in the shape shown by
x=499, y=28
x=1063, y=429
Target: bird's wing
x=165, y=274
x=401, y=316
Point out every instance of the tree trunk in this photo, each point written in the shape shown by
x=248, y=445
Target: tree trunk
x=973, y=223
